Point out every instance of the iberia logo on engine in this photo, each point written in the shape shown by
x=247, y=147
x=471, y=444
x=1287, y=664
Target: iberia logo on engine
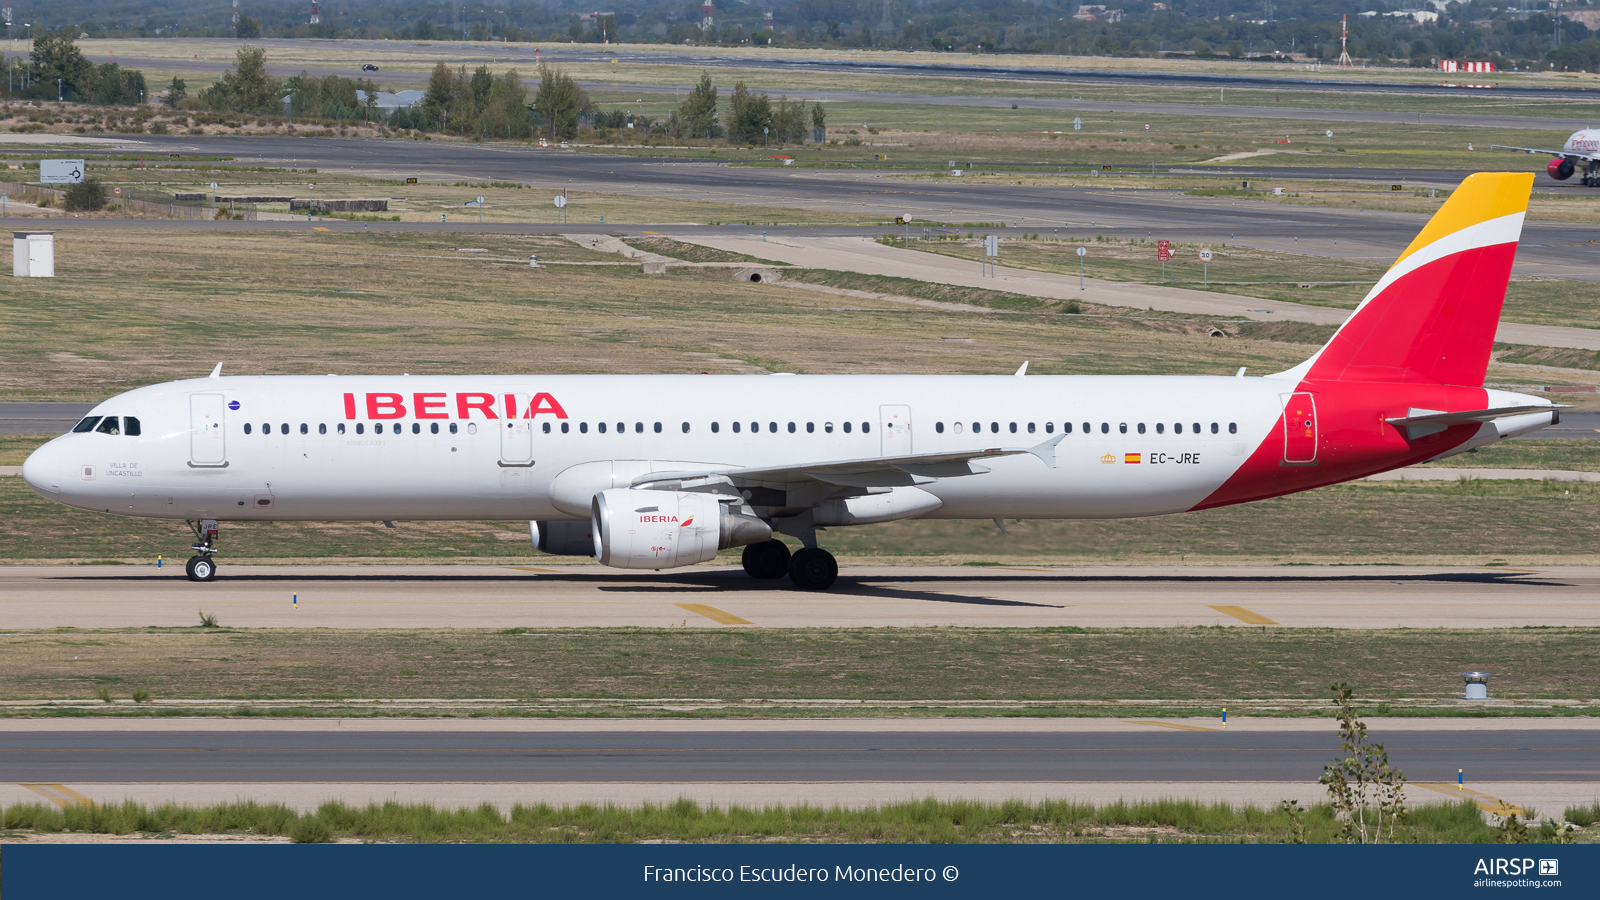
x=663, y=519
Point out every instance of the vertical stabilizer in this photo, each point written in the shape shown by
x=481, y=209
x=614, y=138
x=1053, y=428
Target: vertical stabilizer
x=1432, y=317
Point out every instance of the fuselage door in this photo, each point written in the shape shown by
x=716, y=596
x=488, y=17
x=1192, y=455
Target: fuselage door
x=516, y=430
x=1299, y=430
x=208, y=433
x=894, y=424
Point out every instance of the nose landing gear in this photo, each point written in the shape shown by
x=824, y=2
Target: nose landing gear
x=202, y=567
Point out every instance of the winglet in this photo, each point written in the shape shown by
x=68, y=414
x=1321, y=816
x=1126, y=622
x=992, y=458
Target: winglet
x=1047, y=451
x=1024, y=370
x=217, y=372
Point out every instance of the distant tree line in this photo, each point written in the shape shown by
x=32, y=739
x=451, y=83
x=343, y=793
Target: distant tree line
x=56, y=68
x=1244, y=29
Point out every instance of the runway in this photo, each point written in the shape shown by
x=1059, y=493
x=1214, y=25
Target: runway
x=1550, y=250
x=864, y=761
x=551, y=595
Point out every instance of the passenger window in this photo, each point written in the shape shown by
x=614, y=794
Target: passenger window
x=1197, y=428
x=266, y=427
x=658, y=428
x=322, y=428
x=686, y=428
x=956, y=426
x=994, y=427
x=565, y=427
x=583, y=427
x=791, y=428
x=847, y=428
x=1030, y=428
x=736, y=427
x=638, y=427
x=1013, y=428
x=1213, y=428
x=284, y=428
x=416, y=427
x=247, y=428
x=88, y=425
x=866, y=427
x=772, y=427
x=1088, y=427
x=304, y=428
x=1141, y=428
x=1049, y=428
x=811, y=428
x=716, y=428
x=622, y=428
x=755, y=427
x=938, y=427
x=1161, y=428
x=360, y=428
x=130, y=426
x=1233, y=427
x=377, y=428
x=827, y=427
x=1177, y=428
x=108, y=426
x=601, y=426
x=1105, y=428
x=340, y=427
x=1066, y=428
x=977, y=427
x=546, y=428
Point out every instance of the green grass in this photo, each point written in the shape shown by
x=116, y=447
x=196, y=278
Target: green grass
x=1530, y=453
x=917, y=822
x=1063, y=670
x=691, y=252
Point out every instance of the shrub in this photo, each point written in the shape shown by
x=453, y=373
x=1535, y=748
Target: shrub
x=140, y=695
x=103, y=694
x=87, y=195
x=310, y=830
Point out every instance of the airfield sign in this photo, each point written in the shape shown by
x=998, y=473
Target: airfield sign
x=1077, y=123
x=61, y=171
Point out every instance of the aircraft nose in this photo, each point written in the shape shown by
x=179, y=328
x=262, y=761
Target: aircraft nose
x=42, y=471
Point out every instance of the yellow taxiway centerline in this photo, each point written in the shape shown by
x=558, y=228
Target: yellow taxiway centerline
x=714, y=614
x=1244, y=615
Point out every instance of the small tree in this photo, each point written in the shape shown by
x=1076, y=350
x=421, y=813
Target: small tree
x=698, y=111
x=1362, y=779
x=248, y=28
x=176, y=92
x=88, y=195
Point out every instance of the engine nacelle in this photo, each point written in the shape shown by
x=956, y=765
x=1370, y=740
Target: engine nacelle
x=1560, y=169
x=563, y=538
x=666, y=529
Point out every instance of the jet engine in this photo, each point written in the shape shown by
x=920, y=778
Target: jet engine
x=563, y=538
x=1560, y=169
x=666, y=529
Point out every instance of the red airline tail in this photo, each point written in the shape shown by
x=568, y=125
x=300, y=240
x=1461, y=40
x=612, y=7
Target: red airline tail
x=1432, y=317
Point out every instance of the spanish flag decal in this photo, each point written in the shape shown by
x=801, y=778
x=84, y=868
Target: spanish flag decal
x=1131, y=459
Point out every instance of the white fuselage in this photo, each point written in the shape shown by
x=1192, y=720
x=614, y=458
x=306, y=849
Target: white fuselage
x=309, y=448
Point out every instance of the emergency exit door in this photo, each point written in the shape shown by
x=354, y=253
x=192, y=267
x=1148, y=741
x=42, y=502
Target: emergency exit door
x=516, y=431
x=894, y=426
x=1299, y=430
x=208, y=434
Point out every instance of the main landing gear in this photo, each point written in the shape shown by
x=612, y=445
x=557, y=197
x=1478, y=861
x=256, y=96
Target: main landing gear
x=202, y=567
x=809, y=569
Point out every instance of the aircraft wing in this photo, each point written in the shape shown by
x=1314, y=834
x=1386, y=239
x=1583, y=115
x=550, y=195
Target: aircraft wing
x=1574, y=153
x=1435, y=417
x=885, y=471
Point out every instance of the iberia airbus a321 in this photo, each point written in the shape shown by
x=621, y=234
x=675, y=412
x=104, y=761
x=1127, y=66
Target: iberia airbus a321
x=1581, y=149
x=661, y=471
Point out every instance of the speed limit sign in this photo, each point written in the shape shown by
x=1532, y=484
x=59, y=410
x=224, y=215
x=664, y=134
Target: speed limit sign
x=117, y=191
x=1205, y=256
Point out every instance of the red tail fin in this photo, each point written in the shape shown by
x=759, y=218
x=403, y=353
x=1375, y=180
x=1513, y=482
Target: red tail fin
x=1433, y=316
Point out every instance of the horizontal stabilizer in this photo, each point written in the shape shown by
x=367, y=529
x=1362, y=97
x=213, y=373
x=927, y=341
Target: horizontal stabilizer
x=1434, y=417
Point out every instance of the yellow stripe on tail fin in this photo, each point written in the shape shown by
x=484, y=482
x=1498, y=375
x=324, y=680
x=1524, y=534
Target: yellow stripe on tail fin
x=1481, y=197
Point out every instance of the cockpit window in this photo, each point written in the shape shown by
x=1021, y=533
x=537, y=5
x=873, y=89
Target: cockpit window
x=109, y=426
x=130, y=426
x=86, y=425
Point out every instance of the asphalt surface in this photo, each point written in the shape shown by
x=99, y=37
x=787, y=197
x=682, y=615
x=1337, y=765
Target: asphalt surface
x=554, y=592
x=1119, y=209
x=1189, y=756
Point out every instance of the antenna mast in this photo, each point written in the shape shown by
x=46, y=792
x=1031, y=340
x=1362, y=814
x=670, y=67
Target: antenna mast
x=1344, y=38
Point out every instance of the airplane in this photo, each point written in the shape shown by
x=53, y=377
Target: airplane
x=1582, y=148
x=663, y=471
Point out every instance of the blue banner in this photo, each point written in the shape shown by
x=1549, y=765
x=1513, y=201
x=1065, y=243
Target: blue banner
x=279, y=871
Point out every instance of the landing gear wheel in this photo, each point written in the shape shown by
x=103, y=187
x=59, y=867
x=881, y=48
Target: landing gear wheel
x=767, y=561
x=813, y=569
x=200, y=568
